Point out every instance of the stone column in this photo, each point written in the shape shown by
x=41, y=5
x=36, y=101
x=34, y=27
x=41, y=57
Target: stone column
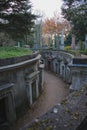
x=30, y=93
x=63, y=71
x=37, y=89
x=59, y=64
x=54, y=66
x=68, y=75
x=61, y=68
x=41, y=68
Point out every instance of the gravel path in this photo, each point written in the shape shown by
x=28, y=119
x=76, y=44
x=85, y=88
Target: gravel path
x=54, y=91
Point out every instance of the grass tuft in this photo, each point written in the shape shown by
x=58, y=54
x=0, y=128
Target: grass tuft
x=7, y=52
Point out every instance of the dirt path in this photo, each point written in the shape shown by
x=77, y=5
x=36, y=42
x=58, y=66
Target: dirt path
x=54, y=91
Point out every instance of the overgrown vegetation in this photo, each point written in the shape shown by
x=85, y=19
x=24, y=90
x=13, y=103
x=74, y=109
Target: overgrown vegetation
x=7, y=52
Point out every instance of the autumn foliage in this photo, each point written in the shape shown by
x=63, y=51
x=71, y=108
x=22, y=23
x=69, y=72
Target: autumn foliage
x=54, y=25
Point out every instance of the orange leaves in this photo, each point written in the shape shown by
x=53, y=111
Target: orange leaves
x=53, y=25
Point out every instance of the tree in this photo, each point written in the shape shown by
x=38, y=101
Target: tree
x=75, y=11
x=16, y=18
x=54, y=26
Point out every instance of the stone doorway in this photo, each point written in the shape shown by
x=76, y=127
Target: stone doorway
x=49, y=65
x=3, y=118
x=34, y=96
x=32, y=84
x=7, y=108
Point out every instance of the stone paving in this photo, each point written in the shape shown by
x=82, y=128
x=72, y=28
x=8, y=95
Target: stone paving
x=55, y=90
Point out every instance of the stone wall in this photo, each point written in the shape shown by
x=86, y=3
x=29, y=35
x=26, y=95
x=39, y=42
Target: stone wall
x=71, y=69
x=13, y=60
x=57, y=62
x=22, y=82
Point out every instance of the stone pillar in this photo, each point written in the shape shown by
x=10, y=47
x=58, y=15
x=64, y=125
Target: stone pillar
x=64, y=73
x=65, y=68
x=61, y=68
x=68, y=75
x=37, y=89
x=54, y=66
x=30, y=93
x=41, y=68
x=59, y=64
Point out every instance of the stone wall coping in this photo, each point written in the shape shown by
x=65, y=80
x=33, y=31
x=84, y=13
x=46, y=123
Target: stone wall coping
x=80, y=60
x=18, y=59
x=17, y=65
x=6, y=86
x=71, y=55
x=78, y=65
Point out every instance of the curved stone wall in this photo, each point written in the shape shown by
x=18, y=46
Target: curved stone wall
x=57, y=62
x=14, y=60
x=20, y=85
x=73, y=70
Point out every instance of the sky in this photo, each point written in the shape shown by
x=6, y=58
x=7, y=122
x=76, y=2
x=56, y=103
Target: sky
x=47, y=7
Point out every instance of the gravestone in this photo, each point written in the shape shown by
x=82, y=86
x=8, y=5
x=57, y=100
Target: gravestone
x=73, y=42
x=57, y=41
x=62, y=41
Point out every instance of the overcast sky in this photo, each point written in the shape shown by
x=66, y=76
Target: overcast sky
x=47, y=6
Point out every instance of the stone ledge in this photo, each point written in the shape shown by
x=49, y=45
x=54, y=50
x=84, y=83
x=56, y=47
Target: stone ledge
x=6, y=86
x=14, y=60
x=67, y=115
x=17, y=65
x=80, y=60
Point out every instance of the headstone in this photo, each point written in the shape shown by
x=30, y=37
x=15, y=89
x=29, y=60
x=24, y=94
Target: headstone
x=57, y=41
x=53, y=40
x=36, y=46
x=18, y=44
x=73, y=42
x=62, y=41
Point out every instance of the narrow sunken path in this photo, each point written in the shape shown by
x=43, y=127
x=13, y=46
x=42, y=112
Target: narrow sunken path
x=54, y=91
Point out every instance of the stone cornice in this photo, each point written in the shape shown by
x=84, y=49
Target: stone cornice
x=21, y=64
